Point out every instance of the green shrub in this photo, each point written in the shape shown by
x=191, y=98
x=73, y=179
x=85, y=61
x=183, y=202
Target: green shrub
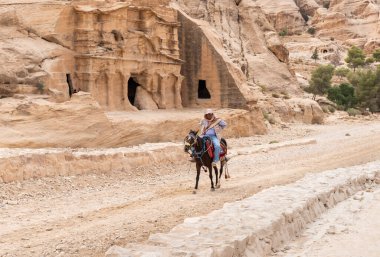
x=315, y=55
x=353, y=112
x=283, y=32
x=367, y=88
x=311, y=31
x=264, y=88
x=343, y=95
x=320, y=80
x=355, y=57
x=376, y=55
x=40, y=87
x=341, y=72
x=369, y=60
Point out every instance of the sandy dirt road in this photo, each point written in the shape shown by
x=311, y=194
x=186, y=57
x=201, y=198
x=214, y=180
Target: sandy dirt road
x=85, y=215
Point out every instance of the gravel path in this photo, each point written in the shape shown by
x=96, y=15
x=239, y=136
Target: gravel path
x=85, y=215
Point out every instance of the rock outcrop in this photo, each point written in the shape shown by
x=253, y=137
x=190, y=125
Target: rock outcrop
x=37, y=122
x=247, y=38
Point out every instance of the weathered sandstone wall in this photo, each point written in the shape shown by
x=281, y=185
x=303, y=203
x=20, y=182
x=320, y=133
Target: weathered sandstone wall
x=202, y=62
x=245, y=37
x=128, y=55
x=124, y=53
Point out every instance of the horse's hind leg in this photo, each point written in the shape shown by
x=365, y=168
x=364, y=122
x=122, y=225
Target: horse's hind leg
x=221, y=169
x=217, y=183
x=220, y=175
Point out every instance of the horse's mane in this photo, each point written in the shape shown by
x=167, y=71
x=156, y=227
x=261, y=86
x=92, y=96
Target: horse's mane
x=193, y=132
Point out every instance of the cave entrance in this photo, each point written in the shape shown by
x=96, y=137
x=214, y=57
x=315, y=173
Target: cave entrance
x=132, y=87
x=69, y=84
x=203, y=92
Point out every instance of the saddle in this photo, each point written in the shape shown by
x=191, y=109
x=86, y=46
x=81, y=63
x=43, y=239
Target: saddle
x=210, y=148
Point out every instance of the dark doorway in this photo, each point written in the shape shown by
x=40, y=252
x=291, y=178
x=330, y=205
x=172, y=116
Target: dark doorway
x=203, y=92
x=70, y=84
x=132, y=86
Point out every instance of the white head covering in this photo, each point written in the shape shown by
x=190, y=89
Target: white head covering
x=208, y=111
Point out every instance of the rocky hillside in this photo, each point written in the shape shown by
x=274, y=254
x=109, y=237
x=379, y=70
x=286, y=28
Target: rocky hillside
x=267, y=39
x=264, y=46
x=272, y=42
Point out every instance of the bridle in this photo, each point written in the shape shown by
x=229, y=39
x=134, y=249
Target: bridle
x=187, y=140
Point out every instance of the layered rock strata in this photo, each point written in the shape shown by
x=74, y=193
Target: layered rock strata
x=37, y=122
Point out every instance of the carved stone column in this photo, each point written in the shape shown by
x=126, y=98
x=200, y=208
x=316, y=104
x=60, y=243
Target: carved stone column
x=177, y=91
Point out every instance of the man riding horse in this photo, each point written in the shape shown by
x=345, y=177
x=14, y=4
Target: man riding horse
x=205, y=148
x=211, y=126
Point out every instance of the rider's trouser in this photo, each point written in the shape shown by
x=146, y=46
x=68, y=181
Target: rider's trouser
x=217, y=148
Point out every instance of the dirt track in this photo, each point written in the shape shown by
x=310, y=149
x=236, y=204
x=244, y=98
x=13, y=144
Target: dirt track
x=85, y=215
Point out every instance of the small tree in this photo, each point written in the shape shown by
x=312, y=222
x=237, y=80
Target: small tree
x=376, y=55
x=311, y=31
x=283, y=32
x=355, y=57
x=341, y=72
x=315, y=55
x=367, y=88
x=343, y=95
x=320, y=80
x=369, y=60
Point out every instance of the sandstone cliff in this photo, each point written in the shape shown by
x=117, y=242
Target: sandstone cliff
x=164, y=54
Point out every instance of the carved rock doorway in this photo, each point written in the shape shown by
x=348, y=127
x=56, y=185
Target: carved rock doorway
x=132, y=88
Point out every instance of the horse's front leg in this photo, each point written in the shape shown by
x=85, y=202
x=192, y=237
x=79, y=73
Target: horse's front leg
x=197, y=178
x=210, y=175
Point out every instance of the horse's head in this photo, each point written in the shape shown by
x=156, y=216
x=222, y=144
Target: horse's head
x=190, y=140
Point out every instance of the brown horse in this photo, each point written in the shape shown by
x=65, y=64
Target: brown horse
x=198, y=148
